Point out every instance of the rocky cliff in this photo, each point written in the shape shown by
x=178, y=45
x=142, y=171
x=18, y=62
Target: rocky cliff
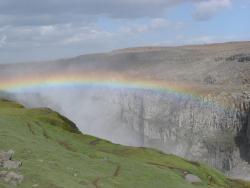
x=197, y=129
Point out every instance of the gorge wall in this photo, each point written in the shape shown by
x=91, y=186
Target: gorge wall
x=212, y=126
x=204, y=131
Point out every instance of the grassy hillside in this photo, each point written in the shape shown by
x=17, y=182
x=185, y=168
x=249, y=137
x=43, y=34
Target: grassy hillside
x=56, y=155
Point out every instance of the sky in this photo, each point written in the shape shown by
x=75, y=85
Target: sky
x=35, y=30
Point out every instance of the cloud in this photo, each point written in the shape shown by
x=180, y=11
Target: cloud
x=51, y=12
x=34, y=42
x=47, y=29
x=51, y=29
x=3, y=41
x=86, y=34
x=208, y=8
x=76, y=33
x=42, y=11
x=154, y=24
x=58, y=34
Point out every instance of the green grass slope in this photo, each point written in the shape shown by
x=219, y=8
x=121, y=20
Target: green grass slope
x=56, y=155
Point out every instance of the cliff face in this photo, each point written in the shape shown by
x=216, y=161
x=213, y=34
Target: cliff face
x=216, y=134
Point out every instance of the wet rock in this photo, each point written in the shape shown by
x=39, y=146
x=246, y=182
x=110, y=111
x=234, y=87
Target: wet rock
x=192, y=178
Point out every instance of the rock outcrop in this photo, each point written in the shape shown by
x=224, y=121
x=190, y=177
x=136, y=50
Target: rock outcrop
x=5, y=156
x=192, y=179
x=6, y=162
x=11, y=177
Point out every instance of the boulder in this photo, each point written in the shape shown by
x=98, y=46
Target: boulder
x=11, y=164
x=6, y=162
x=192, y=178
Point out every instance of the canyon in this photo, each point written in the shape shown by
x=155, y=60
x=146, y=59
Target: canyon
x=209, y=123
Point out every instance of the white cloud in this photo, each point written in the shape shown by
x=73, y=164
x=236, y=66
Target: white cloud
x=208, y=8
x=47, y=29
x=3, y=41
x=158, y=23
x=86, y=34
x=50, y=34
x=153, y=24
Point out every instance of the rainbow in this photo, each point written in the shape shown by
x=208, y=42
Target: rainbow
x=95, y=80
x=107, y=80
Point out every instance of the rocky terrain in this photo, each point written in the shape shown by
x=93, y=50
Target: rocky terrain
x=8, y=164
x=213, y=128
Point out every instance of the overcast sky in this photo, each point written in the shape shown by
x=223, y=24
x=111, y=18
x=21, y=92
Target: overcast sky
x=49, y=29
